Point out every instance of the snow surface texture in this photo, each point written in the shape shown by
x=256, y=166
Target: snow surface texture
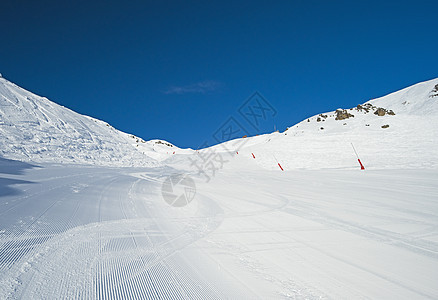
x=86, y=233
x=320, y=229
x=32, y=128
x=410, y=139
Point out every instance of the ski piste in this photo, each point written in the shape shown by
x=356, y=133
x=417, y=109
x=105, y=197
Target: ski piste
x=85, y=211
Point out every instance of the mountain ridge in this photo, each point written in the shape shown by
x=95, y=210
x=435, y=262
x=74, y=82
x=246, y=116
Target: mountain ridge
x=33, y=128
x=399, y=130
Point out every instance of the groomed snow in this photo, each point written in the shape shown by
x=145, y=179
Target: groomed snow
x=321, y=229
x=87, y=232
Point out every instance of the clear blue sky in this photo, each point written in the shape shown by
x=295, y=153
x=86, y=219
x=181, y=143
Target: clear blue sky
x=177, y=70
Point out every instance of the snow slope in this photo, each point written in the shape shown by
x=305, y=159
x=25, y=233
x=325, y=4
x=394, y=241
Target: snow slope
x=410, y=139
x=89, y=232
x=321, y=229
x=101, y=233
x=32, y=128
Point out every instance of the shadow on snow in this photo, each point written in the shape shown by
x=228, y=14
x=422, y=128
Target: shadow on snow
x=12, y=167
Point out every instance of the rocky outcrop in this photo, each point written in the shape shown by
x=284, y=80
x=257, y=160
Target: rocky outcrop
x=366, y=107
x=434, y=92
x=321, y=117
x=381, y=112
x=164, y=143
x=342, y=114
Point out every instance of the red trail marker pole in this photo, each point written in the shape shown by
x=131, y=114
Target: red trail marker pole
x=358, y=159
x=253, y=155
x=277, y=162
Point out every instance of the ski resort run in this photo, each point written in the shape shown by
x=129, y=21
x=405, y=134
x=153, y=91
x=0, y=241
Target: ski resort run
x=87, y=211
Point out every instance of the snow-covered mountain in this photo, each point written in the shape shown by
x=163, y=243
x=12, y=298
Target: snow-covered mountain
x=399, y=130
x=33, y=128
x=68, y=231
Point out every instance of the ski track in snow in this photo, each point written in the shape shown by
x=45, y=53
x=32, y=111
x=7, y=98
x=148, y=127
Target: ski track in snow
x=372, y=226
x=320, y=229
x=100, y=235
x=81, y=232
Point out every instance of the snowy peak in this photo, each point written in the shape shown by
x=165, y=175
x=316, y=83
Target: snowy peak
x=419, y=99
x=34, y=128
x=399, y=130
